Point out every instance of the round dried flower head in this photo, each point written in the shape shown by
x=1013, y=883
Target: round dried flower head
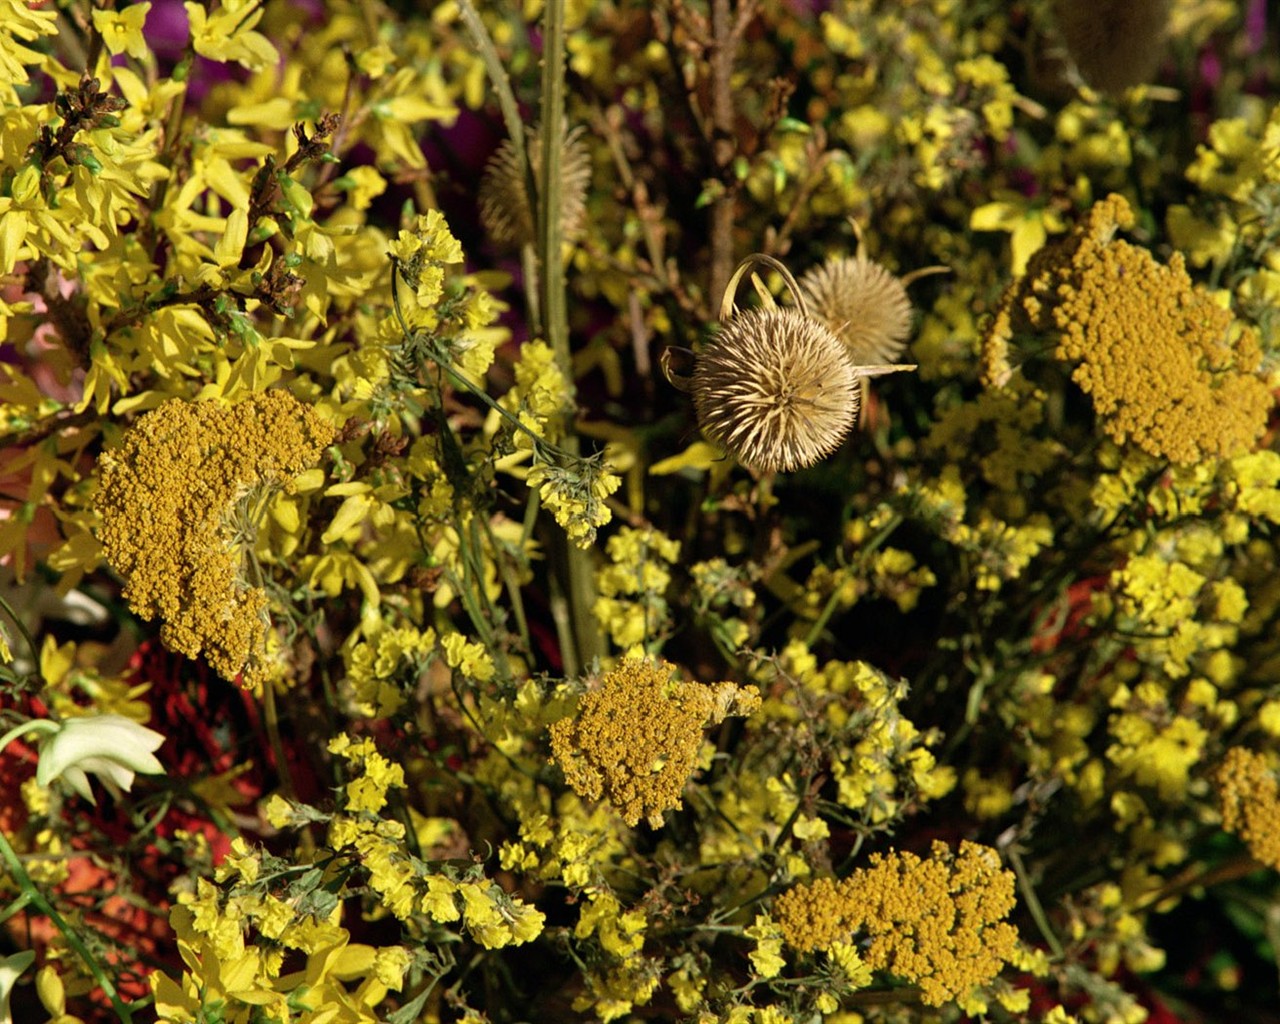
x=1115, y=43
x=865, y=305
x=775, y=388
x=504, y=206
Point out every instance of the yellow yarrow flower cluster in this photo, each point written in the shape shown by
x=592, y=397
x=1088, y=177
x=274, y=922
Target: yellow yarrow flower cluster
x=634, y=741
x=1165, y=366
x=1250, y=799
x=937, y=922
x=168, y=500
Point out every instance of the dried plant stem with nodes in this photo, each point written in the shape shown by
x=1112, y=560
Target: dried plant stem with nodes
x=776, y=388
x=546, y=290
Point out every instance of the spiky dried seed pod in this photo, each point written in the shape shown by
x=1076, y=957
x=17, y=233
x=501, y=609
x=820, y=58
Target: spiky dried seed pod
x=776, y=389
x=504, y=207
x=865, y=305
x=1115, y=43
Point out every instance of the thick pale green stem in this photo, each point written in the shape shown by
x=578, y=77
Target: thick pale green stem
x=550, y=236
x=547, y=293
x=580, y=584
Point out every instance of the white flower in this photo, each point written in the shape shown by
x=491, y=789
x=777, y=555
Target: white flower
x=110, y=746
x=11, y=968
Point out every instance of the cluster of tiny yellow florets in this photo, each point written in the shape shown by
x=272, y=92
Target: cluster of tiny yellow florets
x=405, y=885
x=1250, y=798
x=879, y=760
x=937, y=922
x=381, y=669
x=167, y=500
x=575, y=495
x=632, y=605
x=460, y=328
x=1164, y=365
x=635, y=740
x=540, y=395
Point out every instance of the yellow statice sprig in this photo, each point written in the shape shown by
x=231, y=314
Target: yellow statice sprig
x=383, y=668
x=632, y=607
x=572, y=487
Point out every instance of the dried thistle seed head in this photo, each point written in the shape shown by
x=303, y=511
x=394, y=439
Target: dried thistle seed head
x=776, y=389
x=864, y=305
x=504, y=207
x=1114, y=43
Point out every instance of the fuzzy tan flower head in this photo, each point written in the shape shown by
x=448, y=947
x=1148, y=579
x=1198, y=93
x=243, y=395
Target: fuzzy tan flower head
x=865, y=305
x=504, y=206
x=776, y=389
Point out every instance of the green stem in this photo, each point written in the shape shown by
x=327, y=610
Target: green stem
x=550, y=235
x=35, y=898
x=22, y=728
x=580, y=589
x=506, y=99
x=562, y=616
x=532, y=288
x=271, y=719
x=26, y=636
x=1033, y=902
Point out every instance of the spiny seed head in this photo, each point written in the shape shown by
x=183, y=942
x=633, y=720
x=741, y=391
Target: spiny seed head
x=1115, y=43
x=504, y=207
x=865, y=305
x=776, y=389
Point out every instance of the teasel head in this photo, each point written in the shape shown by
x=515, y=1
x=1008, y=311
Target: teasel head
x=863, y=303
x=505, y=210
x=774, y=387
x=1115, y=43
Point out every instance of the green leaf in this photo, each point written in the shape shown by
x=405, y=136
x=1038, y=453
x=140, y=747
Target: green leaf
x=712, y=189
